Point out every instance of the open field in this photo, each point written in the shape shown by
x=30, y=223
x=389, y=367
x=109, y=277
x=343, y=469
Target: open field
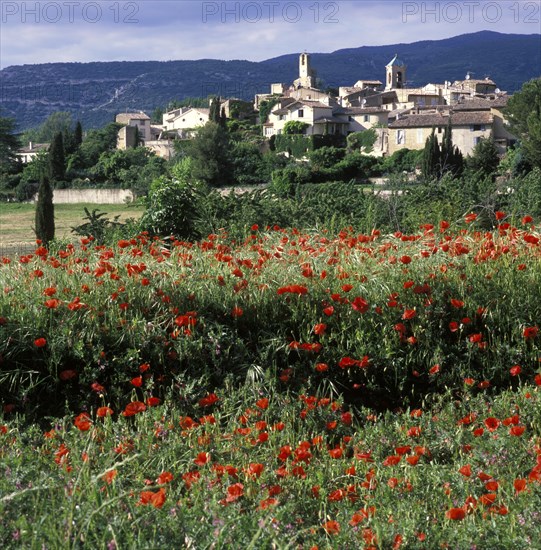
x=17, y=220
x=290, y=390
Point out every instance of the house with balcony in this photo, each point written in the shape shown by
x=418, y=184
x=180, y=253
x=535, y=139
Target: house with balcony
x=29, y=153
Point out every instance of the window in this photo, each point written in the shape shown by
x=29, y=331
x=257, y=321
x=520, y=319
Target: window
x=477, y=128
x=439, y=129
x=476, y=140
x=301, y=113
x=350, y=118
x=400, y=137
x=420, y=135
x=366, y=118
x=281, y=117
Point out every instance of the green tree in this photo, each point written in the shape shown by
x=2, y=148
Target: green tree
x=295, y=127
x=451, y=159
x=172, y=203
x=362, y=141
x=265, y=107
x=44, y=219
x=211, y=154
x=60, y=121
x=214, y=114
x=157, y=115
x=326, y=157
x=430, y=162
x=8, y=145
x=78, y=134
x=57, y=158
x=95, y=143
x=523, y=113
x=484, y=159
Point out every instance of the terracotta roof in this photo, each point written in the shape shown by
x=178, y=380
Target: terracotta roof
x=474, y=81
x=124, y=118
x=479, y=104
x=363, y=110
x=332, y=119
x=464, y=118
x=34, y=149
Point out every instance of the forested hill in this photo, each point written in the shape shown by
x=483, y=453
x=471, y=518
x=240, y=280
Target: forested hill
x=95, y=92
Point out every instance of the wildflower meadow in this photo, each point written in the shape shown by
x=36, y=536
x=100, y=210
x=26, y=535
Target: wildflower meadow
x=291, y=389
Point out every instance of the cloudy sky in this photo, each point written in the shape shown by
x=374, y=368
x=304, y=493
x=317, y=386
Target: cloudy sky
x=80, y=30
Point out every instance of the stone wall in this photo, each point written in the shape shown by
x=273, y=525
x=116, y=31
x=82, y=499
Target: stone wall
x=91, y=196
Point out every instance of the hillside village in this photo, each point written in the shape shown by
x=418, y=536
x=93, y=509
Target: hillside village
x=402, y=117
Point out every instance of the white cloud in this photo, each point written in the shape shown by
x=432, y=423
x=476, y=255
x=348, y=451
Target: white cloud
x=242, y=29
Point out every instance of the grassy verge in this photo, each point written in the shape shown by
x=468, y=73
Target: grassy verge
x=17, y=219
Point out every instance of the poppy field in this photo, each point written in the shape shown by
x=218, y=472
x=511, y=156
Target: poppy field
x=293, y=389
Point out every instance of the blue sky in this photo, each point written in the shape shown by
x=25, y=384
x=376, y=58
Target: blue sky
x=79, y=30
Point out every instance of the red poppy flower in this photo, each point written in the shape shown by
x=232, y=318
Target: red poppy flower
x=262, y=403
x=392, y=460
x=470, y=217
x=527, y=219
x=255, y=469
x=237, y=312
x=133, y=408
x=98, y=388
x=137, y=381
x=517, y=430
x=153, y=401
x=414, y=431
x=103, y=412
x=202, y=459
x=530, y=332
x=434, y=370
x=293, y=289
x=331, y=527
x=336, y=453
x=208, y=400
x=320, y=329
x=491, y=423
x=515, y=370
x=455, y=514
x=109, y=476
x=40, y=342
x=520, y=485
x=164, y=477
x=267, y=503
x=82, y=422
x=465, y=470
x=68, y=374
x=488, y=499
x=234, y=492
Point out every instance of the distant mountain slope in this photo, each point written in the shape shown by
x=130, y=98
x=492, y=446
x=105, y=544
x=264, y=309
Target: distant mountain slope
x=95, y=92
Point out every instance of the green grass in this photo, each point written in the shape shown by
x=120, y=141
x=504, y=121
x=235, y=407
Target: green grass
x=17, y=219
x=292, y=390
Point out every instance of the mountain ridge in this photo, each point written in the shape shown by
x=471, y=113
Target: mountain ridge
x=95, y=91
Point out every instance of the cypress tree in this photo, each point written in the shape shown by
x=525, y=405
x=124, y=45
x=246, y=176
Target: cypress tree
x=214, y=115
x=223, y=118
x=44, y=219
x=57, y=158
x=78, y=134
x=451, y=159
x=430, y=161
